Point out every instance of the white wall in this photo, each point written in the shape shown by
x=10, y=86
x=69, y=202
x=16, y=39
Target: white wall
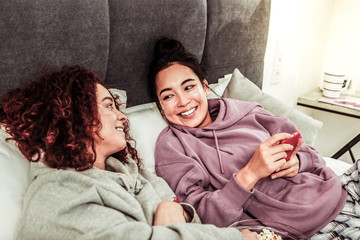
x=343, y=49
x=302, y=26
x=313, y=36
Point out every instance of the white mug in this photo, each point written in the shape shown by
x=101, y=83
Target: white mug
x=352, y=87
x=334, y=83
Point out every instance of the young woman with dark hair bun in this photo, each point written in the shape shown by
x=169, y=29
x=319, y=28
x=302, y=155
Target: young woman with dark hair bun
x=225, y=157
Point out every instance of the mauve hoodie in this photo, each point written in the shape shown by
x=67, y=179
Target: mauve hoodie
x=200, y=165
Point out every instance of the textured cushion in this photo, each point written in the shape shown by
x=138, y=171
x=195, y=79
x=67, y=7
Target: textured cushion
x=14, y=173
x=146, y=122
x=135, y=28
x=241, y=88
x=217, y=89
x=236, y=36
x=42, y=33
x=116, y=38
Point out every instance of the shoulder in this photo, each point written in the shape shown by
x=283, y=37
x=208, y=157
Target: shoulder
x=50, y=190
x=235, y=103
x=57, y=179
x=170, y=149
x=232, y=110
x=230, y=104
x=248, y=107
x=49, y=180
x=168, y=138
x=165, y=133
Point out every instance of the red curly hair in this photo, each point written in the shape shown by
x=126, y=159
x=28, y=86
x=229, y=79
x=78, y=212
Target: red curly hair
x=54, y=117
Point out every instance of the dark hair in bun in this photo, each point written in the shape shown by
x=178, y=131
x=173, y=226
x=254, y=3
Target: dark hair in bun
x=166, y=53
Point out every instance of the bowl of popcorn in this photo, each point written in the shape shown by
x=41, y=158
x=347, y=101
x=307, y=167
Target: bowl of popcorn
x=267, y=230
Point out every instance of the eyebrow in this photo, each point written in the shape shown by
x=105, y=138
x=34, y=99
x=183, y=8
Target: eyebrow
x=184, y=82
x=107, y=98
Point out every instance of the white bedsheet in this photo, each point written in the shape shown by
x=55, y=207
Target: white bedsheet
x=338, y=166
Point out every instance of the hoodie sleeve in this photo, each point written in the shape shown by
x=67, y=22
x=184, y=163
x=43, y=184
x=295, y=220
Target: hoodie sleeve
x=309, y=158
x=165, y=193
x=191, y=183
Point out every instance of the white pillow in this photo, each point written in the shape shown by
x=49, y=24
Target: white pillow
x=217, y=89
x=146, y=122
x=241, y=88
x=14, y=178
x=338, y=166
x=122, y=97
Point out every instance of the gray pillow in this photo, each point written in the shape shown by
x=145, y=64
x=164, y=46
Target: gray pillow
x=241, y=88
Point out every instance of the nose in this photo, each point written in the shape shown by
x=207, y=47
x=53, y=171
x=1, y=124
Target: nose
x=183, y=100
x=121, y=116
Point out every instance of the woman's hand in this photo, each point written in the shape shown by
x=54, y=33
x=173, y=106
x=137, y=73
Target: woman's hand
x=268, y=157
x=291, y=167
x=169, y=212
x=248, y=235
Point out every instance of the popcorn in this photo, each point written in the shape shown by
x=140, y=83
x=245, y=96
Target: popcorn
x=266, y=234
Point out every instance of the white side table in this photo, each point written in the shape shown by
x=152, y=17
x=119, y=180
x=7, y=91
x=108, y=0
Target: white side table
x=310, y=100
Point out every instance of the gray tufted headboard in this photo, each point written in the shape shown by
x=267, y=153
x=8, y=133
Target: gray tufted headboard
x=115, y=38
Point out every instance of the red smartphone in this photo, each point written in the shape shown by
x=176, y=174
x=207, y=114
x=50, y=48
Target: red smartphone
x=292, y=140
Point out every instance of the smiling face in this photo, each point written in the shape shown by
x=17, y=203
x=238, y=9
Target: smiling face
x=182, y=97
x=111, y=137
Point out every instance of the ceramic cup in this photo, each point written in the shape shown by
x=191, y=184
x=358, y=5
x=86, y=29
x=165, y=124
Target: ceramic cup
x=334, y=82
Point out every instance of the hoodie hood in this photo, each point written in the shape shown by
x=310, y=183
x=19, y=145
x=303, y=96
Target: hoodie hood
x=126, y=175
x=224, y=113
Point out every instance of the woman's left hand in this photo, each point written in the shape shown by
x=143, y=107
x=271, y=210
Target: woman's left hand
x=169, y=212
x=291, y=167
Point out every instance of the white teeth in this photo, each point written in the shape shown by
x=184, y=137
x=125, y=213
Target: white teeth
x=119, y=129
x=188, y=112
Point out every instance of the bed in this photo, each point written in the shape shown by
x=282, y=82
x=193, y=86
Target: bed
x=115, y=38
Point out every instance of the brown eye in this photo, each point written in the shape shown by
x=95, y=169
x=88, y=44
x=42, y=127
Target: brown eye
x=168, y=97
x=189, y=87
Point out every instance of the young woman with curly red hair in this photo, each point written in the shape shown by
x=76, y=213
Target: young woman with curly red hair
x=85, y=175
x=58, y=115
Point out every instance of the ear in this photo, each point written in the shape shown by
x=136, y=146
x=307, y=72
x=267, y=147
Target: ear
x=206, y=87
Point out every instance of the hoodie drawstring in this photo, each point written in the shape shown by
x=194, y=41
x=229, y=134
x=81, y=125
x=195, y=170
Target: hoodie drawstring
x=218, y=151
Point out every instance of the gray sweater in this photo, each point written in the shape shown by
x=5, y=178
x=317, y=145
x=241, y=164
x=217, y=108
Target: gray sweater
x=117, y=203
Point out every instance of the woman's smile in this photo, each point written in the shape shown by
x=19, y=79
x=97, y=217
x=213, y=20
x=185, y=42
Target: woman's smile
x=120, y=129
x=188, y=113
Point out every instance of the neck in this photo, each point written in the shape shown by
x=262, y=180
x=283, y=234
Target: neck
x=206, y=121
x=100, y=162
